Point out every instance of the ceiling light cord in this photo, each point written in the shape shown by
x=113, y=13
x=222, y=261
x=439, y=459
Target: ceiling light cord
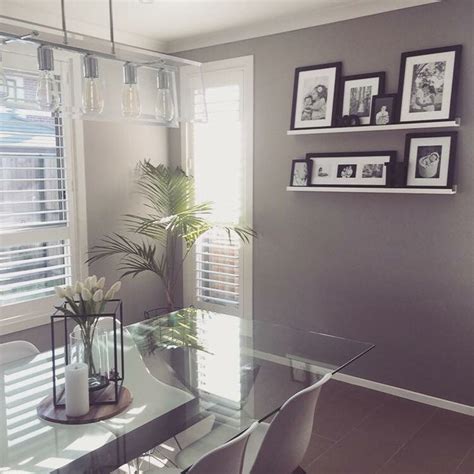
x=111, y=20
x=63, y=20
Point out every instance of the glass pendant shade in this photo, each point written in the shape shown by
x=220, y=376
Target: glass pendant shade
x=165, y=109
x=131, y=107
x=92, y=90
x=47, y=95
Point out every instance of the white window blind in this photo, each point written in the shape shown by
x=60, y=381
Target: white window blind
x=218, y=156
x=35, y=236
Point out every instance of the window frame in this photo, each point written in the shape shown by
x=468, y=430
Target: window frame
x=244, y=64
x=33, y=313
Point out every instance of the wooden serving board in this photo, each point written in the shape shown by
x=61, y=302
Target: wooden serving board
x=47, y=411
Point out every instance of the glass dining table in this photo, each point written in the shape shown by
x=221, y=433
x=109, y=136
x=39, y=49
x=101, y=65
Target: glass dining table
x=198, y=379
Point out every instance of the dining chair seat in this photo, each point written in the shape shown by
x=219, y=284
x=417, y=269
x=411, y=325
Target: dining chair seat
x=226, y=458
x=216, y=437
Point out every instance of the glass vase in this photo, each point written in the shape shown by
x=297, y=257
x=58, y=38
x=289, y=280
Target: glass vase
x=91, y=346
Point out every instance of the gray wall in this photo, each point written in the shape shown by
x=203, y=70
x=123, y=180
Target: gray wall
x=112, y=151
x=396, y=270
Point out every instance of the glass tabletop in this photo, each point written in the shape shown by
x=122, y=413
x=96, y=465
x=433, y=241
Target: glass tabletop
x=197, y=378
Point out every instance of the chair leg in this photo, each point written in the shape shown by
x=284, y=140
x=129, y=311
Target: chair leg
x=299, y=470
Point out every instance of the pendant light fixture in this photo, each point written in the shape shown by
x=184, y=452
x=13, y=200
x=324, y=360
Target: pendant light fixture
x=153, y=65
x=165, y=110
x=131, y=107
x=92, y=93
x=47, y=95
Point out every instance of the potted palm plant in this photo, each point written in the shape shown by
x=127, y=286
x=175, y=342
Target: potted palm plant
x=160, y=240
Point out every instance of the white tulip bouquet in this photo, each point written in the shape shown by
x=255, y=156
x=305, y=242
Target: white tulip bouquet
x=83, y=300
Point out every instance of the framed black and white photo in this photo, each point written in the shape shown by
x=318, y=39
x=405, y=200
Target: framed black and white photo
x=300, y=172
x=357, y=93
x=357, y=169
x=315, y=95
x=428, y=84
x=384, y=109
x=430, y=159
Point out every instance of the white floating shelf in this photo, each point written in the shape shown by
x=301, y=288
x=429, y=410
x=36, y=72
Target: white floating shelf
x=347, y=189
x=378, y=128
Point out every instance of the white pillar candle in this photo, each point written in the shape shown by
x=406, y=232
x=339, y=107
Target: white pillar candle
x=77, y=389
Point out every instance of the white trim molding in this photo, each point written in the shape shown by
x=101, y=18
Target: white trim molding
x=319, y=16
x=408, y=394
x=369, y=384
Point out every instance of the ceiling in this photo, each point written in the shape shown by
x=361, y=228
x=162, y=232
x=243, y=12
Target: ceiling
x=177, y=25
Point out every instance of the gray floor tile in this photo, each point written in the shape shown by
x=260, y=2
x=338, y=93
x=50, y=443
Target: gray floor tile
x=357, y=453
x=438, y=447
x=343, y=409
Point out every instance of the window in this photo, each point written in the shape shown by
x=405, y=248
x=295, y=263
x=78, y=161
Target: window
x=37, y=232
x=218, y=154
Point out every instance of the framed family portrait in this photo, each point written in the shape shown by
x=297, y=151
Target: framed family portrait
x=357, y=93
x=300, y=172
x=428, y=84
x=355, y=169
x=430, y=159
x=315, y=95
x=384, y=109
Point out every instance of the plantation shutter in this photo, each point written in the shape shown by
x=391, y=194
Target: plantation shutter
x=217, y=160
x=35, y=232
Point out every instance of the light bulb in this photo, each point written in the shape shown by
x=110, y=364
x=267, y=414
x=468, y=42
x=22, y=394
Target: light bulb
x=92, y=92
x=131, y=107
x=46, y=91
x=130, y=101
x=92, y=96
x=47, y=95
x=3, y=81
x=164, y=103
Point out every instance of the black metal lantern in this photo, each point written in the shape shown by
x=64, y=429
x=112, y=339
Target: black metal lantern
x=96, y=339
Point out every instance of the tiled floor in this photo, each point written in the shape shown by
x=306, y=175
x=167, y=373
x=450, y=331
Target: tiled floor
x=360, y=431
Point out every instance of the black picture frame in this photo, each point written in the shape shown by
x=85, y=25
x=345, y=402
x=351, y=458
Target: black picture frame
x=454, y=86
x=389, y=164
x=409, y=141
x=394, y=108
x=337, y=68
x=347, y=80
x=308, y=171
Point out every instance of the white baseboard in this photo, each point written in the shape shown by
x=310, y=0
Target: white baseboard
x=290, y=360
x=380, y=387
x=408, y=394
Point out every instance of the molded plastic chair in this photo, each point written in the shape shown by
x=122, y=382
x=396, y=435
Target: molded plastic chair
x=279, y=447
x=225, y=459
x=15, y=350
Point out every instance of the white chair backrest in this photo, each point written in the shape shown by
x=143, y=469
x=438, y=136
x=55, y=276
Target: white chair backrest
x=228, y=458
x=288, y=436
x=16, y=350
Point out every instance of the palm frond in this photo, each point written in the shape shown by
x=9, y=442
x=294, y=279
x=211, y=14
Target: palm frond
x=170, y=216
x=135, y=257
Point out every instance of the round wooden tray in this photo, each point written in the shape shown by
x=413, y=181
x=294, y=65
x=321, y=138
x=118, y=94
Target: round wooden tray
x=47, y=411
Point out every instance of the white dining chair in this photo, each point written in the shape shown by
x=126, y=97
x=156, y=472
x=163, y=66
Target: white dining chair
x=225, y=459
x=15, y=350
x=279, y=447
